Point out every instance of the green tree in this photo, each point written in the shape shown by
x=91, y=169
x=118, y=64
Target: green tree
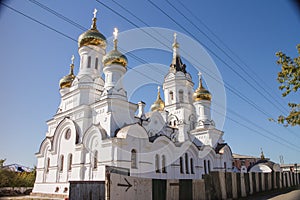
x=289, y=79
x=2, y=162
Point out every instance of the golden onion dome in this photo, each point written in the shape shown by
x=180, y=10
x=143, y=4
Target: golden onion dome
x=159, y=104
x=92, y=36
x=201, y=93
x=114, y=56
x=67, y=80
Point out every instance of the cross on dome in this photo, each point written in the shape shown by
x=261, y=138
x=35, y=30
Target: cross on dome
x=175, y=37
x=200, y=79
x=115, y=33
x=95, y=13
x=72, y=59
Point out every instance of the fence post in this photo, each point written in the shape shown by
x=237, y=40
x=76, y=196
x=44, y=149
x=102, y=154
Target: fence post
x=250, y=184
x=234, y=186
x=198, y=190
x=243, y=187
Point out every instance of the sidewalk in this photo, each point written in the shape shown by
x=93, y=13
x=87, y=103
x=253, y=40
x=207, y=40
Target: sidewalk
x=286, y=194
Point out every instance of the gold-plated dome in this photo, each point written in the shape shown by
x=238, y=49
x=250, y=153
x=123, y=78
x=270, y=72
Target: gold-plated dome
x=159, y=104
x=201, y=93
x=92, y=36
x=67, y=80
x=114, y=56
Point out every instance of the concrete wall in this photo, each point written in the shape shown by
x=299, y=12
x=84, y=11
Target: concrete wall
x=216, y=185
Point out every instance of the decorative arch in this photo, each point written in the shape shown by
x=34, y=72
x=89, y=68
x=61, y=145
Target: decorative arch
x=60, y=130
x=95, y=131
x=46, y=144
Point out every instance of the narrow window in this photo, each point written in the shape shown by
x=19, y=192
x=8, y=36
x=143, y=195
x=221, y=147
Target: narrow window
x=47, y=165
x=180, y=93
x=89, y=62
x=190, y=97
x=225, y=166
x=181, y=165
x=157, y=163
x=95, y=164
x=186, y=163
x=171, y=95
x=61, y=167
x=208, y=163
x=133, y=159
x=192, y=165
x=205, y=168
x=96, y=63
x=163, y=163
x=70, y=162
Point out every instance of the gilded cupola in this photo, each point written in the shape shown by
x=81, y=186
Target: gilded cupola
x=114, y=56
x=201, y=93
x=67, y=80
x=159, y=104
x=92, y=36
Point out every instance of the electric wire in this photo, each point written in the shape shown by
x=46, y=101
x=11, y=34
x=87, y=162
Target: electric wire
x=233, y=53
x=233, y=60
x=226, y=85
x=212, y=52
x=62, y=17
x=59, y=32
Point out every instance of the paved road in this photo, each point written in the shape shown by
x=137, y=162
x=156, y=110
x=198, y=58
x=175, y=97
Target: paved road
x=278, y=195
x=292, y=195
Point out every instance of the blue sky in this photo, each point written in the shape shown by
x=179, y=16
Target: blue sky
x=34, y=58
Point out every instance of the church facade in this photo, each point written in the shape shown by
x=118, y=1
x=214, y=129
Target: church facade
x=96, y=127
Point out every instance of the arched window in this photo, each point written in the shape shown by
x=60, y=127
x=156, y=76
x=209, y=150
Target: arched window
x=205, y=168
x=157, y=163
x=70, y=162
x=47, y=165
x=96, y=63
x=180, y=96
x=208, y=163
x=89, y=62
x=171, y=95
x=95, y=164
x=187, y=163
x=181, y=165
x=163, y=163
x=133, y=159
x=61, y=164
x=81, y=63
x=192, y=165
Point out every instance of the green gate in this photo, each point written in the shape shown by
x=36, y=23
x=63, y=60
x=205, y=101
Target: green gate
x=159, y=189
x=185, y=189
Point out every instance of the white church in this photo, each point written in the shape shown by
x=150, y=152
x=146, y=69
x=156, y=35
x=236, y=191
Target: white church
x=96, y=127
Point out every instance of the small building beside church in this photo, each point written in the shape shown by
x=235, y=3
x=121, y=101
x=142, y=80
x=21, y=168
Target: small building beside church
x=96, y=127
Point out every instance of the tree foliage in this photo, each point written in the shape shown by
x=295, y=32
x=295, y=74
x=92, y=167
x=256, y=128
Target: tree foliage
x=289, y=79
x=10, y=178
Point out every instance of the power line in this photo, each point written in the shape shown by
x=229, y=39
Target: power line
x=226, y=85
x=215, y=54
x=290, y=146
x=249, y=83
x=58, y=15
x=232, y=52
x=76, y=41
